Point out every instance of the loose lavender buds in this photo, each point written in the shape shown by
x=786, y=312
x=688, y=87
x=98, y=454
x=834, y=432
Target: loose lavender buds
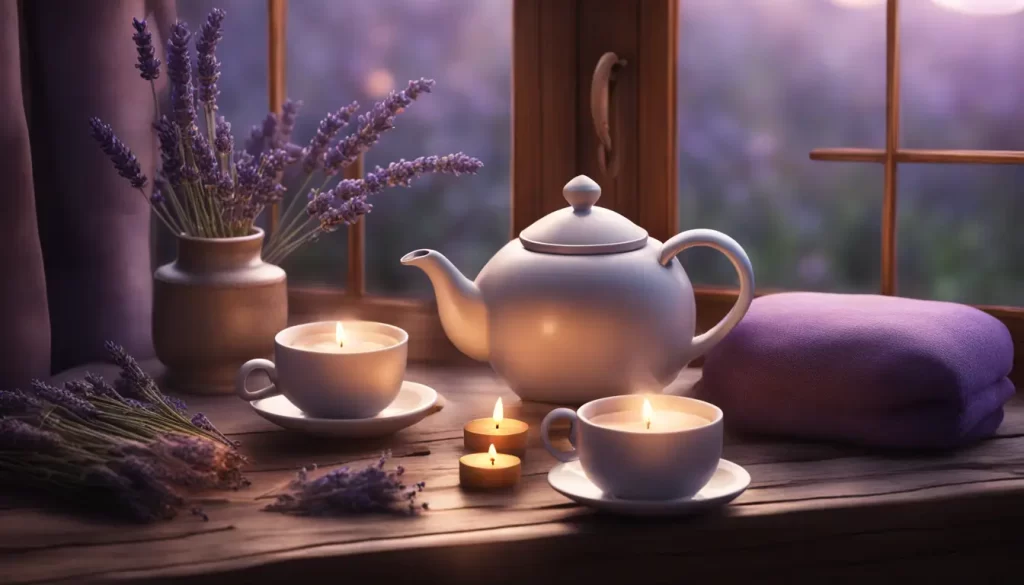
x=343, y=492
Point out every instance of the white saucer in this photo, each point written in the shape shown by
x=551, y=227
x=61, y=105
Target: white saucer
x=414, y=402
x=729, y=481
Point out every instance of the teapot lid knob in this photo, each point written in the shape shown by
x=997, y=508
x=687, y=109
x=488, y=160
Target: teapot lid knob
x=582, y=192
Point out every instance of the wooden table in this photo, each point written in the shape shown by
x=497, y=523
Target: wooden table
x=814, y=512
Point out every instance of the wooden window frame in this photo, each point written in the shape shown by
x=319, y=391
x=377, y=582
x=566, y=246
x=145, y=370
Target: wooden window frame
x=556, y=45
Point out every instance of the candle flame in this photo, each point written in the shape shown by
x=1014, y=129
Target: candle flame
x=648, y=412
x=339, y=334
x=492, y=452
x=499, y=413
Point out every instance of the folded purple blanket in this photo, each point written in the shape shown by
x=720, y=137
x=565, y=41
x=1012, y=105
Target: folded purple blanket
x=867, y=369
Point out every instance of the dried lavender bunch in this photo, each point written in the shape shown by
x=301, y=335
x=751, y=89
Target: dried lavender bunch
x=343, y=492
x=209, y=189
x=129, y=451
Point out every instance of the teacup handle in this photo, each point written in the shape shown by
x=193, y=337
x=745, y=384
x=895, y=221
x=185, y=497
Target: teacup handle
x=545, y=429
x=243, y=375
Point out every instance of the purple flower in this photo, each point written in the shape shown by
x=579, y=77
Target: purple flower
x=16, y=402
x=372, y=124
x=223, y=141
x=289, y=113
x=329, y=127
x=206, y=160
x=172, y=165
x=133, y=381
x=402, y=173
x=16, y=435
x=124, y=160
x=346, y=202
x=64, y=399
x=100, y=387
x=179, y=70
x=208, y=67
x=157, y=198
x=148, y=65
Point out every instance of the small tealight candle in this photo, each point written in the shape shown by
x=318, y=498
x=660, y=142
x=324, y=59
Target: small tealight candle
x=490, y=470
x=340, y=342
x=649, y=421
x=506, y=434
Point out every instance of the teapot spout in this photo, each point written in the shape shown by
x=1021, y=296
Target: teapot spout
x=459, y=302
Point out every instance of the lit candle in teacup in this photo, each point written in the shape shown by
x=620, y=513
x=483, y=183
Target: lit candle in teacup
x=644, y=448
x=508, y=435
x=330, y=370
x=490, y=470
x=340, y=342
x=648, y=421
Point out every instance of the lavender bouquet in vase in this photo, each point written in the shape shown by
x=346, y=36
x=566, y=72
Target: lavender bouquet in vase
x=223, y=299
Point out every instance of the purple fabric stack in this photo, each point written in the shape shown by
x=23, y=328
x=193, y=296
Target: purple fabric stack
x=866, y=369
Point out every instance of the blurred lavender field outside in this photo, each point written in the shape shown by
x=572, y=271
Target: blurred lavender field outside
x=761, y=83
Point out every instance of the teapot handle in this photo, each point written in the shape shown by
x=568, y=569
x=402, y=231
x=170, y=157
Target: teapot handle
x=728, y=246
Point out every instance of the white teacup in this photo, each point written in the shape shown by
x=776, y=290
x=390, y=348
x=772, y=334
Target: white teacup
x=674, y=458
x=325, y=384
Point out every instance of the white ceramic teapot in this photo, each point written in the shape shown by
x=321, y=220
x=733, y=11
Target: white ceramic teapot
x=583, y=304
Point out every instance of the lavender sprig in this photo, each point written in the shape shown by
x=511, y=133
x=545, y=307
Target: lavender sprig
x=344, y=492
x=372, y=124
x=208, y=67
x=123, y=158
x=347, y=202
x=148, y=65
x=179, y=70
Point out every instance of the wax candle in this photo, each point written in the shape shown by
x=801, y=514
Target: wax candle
x=649, y=421
x=506, y=434
x=490, y=470
x=340, y=342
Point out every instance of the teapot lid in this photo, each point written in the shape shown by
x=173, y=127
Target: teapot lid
x=583, y=228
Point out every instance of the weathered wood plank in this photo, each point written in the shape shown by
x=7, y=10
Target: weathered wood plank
x=841, y=506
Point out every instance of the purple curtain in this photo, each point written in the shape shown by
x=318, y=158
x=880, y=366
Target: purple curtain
x=74, y=237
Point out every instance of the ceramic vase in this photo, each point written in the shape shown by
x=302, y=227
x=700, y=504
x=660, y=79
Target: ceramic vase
x=215, y=307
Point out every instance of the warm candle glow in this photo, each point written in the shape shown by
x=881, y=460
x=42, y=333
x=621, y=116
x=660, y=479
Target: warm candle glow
x=499, y=414
x=983, y=7
x=339, y=335
x=493, y=453
x=648, y=413
x=857, y=3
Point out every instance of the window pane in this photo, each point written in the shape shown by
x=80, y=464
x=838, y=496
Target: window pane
x=344, y=50
x=761, y=83
x=243, y=81
x=961, y=78
x=959, y=233
x=959, y=237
